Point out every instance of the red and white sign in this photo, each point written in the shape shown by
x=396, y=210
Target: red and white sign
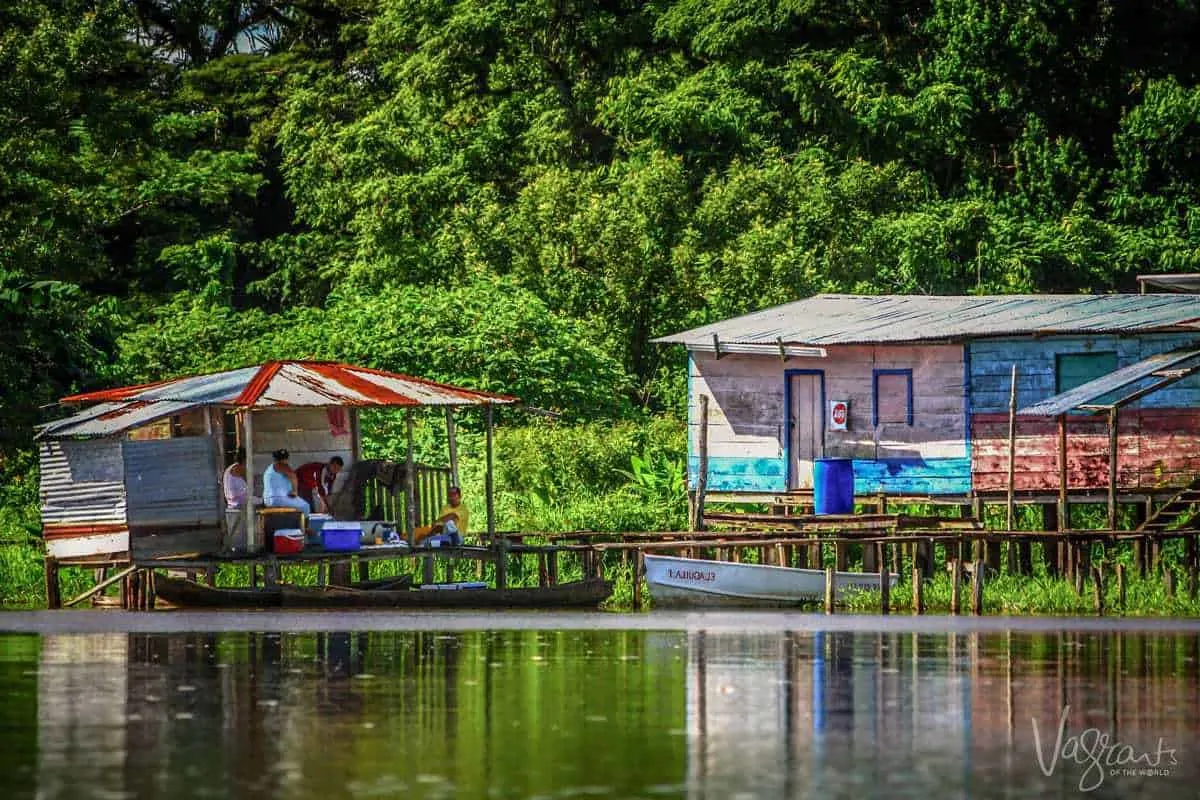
x=839, y=415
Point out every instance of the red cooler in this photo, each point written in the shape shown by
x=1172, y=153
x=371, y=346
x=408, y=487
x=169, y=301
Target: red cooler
x=288, y=540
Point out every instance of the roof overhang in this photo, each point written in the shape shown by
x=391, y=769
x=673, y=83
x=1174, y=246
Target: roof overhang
x=1183, y=283
x=780, y=349
x=1129, y=384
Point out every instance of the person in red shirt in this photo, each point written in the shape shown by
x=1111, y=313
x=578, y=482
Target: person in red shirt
x=316, y=482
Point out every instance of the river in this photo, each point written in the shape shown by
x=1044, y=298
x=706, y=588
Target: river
x=717, y=706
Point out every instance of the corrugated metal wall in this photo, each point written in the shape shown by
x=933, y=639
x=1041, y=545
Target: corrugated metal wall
x=82, y=482
x=83, y=497
x=171, y=482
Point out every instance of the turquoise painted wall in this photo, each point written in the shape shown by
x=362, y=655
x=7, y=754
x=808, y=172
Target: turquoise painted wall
x=991, y=361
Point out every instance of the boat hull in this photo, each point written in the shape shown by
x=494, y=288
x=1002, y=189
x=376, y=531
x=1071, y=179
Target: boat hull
x=691, y=582
x=584, y=594
x=189, y=594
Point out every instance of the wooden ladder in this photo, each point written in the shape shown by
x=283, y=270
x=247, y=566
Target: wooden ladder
x=1183, y=506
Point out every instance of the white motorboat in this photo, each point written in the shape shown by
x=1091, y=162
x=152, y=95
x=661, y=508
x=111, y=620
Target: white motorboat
x=697, y=582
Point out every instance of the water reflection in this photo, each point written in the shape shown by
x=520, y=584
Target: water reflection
x=512, y=714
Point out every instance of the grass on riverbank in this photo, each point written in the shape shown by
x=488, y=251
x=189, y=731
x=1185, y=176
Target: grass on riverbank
x=1030, y=595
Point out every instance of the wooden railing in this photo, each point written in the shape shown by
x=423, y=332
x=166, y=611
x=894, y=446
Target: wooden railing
x=390, y=504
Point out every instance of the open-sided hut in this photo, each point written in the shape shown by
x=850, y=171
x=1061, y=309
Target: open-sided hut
x=916, y=391
x=137, y=473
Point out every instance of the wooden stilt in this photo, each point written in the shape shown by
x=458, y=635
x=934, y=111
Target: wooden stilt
x=885, y=588
x=918, y=597
x=829, y=590
x=53, y=591
x=977, y=588
x=1098, y=590
x=552, y=567
x=956, y=586
x=639, y=565
x=1121, y=587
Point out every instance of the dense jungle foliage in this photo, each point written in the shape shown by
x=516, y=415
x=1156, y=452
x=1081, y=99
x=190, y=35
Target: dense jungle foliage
x=519, y=195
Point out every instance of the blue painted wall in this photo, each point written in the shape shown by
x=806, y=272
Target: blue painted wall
x=991, y=360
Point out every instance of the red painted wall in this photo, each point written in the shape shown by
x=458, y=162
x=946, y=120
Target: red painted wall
x=1157, y=448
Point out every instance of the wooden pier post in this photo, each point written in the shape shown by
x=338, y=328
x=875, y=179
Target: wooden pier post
x=248, y=442
x=1010, y=505
x=53, y=590
x=501, y=564
x=829, y=593
x=956, y=586
x=552, y=567
x=1112, y=468
x=918, y=597
x=977, y=588
x=1077, y=576
x=1190, y=557
x=1121, y=587
x=885, y=585
x=1064, y=509
x=639, y=566
x=1098, y=590
x=1169, y=582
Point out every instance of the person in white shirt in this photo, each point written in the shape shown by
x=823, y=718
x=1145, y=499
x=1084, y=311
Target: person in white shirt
x=279, y=485
x=233, y=481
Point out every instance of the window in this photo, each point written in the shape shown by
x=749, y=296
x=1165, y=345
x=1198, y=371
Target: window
x=893, y=397
x=1076, y=369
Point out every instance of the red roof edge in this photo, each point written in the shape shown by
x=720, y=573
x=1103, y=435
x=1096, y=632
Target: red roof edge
x=114, y=395
x=344, y=375
x=259, y=383
x=460, y=389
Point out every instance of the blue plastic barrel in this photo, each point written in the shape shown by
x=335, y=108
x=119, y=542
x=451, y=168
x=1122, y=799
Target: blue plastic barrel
x=833, y=486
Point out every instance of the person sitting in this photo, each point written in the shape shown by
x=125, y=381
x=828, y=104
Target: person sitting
x=279, y=485
x=315, y=482
x=233, y=481
x=451, y=523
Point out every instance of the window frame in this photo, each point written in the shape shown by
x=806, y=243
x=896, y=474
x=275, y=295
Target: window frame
x=907, y=374
x=1058, y=360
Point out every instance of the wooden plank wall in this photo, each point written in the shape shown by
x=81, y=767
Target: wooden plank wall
x=1158, y=437
x=748, y=445
x=303, y=431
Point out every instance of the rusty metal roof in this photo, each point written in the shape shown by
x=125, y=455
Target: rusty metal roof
x=1139, y=379
x=276, y=384
x=829, y=319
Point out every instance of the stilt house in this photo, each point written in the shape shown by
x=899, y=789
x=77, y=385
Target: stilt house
x=138, y=473
x=917, y=392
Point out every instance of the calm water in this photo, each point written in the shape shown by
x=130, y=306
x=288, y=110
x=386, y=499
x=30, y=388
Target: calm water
x=604, y=713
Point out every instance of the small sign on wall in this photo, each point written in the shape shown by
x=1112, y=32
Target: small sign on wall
x=839, y=415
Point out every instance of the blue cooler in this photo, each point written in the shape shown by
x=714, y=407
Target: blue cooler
x=833, y=486
x=340, y=537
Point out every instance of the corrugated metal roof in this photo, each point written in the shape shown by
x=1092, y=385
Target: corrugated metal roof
x=107, y=419
x=1183, y=282
x=1127, y=376
x=829, y=319
x=272, y=385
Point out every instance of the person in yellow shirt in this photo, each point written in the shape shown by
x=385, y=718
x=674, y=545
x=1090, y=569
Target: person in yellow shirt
x=453, y=521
